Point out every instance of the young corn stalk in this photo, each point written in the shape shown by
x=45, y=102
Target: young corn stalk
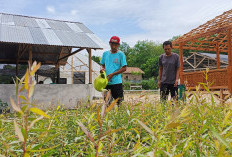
x=98, y=146
x=23, y=108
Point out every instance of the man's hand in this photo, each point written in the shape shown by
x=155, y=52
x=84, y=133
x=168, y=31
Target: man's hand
x=176, y=83
x=159, y=83
x=110, y=76
x=102, y=69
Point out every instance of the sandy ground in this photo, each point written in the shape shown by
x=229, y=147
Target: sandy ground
x=154, y=97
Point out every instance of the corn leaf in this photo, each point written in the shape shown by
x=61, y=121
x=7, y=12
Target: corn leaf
x=31, y=90
x=15, y=107
x=173, y=125
x=98, y=117
x=35, y=68
x=112, y=105
x=18, y=131
x=88, y=134
x=43, y=150
x=26, y=80
x=39, y=112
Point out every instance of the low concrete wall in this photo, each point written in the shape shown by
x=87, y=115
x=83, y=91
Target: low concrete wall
x=52, y=95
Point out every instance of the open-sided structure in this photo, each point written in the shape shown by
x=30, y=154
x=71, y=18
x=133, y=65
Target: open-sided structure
x=48, y=41
x=51, y=42
x=198, y=61
x=213, y=36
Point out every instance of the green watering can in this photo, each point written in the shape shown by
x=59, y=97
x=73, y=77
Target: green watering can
x=101, y=81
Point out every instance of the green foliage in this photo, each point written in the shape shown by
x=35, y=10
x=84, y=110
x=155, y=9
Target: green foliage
x=145, y=55
x=96, y=59
x=135, y=73
x=196, y=128
x=149, y=84
x=126, y=85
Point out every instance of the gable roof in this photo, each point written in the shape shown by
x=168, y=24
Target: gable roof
x=130, y=70
x=206, y=36
x=42, y=31
x=51, y=41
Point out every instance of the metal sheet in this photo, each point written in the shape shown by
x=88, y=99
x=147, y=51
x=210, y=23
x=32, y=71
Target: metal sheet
x=85, y=40
x=0, y=18
x=7, y=19
x=38, y=36
x=25, y=21
x=58, y=25
x=83, y=28
x=97, y=40
x=42, y=23
x=66, y=37
x=51, y=37
x=74, y=27
x=16, y=34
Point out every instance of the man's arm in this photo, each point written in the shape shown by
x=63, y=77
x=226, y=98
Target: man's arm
x=177, y=76
x=121, y=70
x=102, y=68
x=160, y=75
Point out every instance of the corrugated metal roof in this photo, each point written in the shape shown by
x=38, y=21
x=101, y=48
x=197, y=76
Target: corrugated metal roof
x=222, y=57
x=39, y=31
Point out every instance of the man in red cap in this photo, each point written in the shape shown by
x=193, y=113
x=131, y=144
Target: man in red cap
x=114, y=63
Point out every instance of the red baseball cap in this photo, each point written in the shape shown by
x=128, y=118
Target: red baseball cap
x=115, y=39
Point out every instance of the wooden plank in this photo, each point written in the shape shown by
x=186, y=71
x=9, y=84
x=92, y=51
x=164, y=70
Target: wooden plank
x=90, y=66
x=218, y=56
x=71, y=54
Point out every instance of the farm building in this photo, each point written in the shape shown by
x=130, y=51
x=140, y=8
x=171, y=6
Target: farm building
x=51, y=42
x=198, y=61
x=133, y=74
x=214, y=36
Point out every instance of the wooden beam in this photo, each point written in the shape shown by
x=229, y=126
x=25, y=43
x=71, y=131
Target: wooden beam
x=57, y=62
x=12, y=61
x=71, y=54
x=229, y=47
x=181, y=64
x=218, y=56
x=30, y=55
x=200, y=62
x=90, y=65
x=24, y=49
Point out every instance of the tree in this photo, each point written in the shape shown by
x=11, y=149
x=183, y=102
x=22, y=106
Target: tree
x=96, y=59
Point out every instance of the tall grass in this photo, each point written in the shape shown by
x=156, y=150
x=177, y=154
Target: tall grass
x=197, y=127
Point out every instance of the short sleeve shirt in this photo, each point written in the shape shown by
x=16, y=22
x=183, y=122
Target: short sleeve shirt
x=113, y=62
x=170, y=65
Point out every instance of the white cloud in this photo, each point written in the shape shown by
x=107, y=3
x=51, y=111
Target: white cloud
x=134, y=20
x=51, y=9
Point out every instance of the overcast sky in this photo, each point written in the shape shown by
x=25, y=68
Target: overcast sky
x=131, y=20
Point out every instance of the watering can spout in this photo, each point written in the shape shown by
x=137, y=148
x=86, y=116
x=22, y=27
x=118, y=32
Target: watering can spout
x=101, y=81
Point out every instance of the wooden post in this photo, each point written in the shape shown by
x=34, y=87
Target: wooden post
x=229, y=67
x=30, y=55
x=229, y=46
x=72, y=71
x=218, y=56
x=181, y=64
x=90, y=65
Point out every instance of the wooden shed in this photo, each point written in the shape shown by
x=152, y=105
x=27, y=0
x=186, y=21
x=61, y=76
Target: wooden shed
x=213, y=36
x=133, y=74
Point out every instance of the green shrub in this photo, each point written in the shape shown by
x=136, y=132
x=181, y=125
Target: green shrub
x=150, y=84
